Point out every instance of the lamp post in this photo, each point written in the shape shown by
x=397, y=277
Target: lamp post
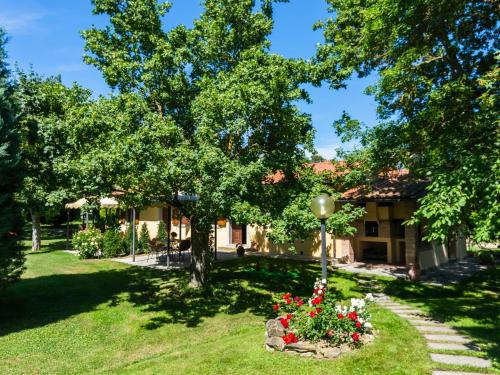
x=322, y=207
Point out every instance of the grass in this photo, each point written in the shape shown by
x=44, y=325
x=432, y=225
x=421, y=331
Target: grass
x=471, y=306
x=68, y=316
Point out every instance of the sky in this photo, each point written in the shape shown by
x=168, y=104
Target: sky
x=44, y=34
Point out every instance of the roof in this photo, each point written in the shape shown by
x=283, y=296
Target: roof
x=103, y=203
x=394, y=186
x=318, y=167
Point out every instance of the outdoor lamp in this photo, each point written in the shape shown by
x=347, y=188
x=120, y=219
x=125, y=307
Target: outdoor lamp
x=322, y=207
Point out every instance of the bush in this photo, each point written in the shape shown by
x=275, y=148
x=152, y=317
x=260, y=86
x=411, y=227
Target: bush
x=162, y=231
x=127, y=239
x=88, y=243
x=321, y=318
x=486, y=257
x=144, y=238
x=112, y=244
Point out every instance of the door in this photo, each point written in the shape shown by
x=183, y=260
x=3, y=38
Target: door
x=238, y=234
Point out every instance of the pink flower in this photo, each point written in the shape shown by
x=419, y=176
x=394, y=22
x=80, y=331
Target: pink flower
x=300, y=303
x=296, y=299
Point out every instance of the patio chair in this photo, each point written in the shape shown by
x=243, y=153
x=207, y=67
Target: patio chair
x=153, y=249
x=184, y=245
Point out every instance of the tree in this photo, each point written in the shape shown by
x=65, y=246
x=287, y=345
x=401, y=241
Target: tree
x=43, y=104
x=222, y=110
x=11, y=255
x=144, y=237
x=437, y=94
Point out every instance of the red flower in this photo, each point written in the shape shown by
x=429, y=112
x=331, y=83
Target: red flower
x=358, y=324
x=340, y=316
x=330, y=333
x=288, y=316
x=276, y=307
x=288, y=301
x=284, y=323
x=317, y=300
x=290, y=338
x=355, y=336
x=312, y=313
x=286, y=296
x=353, y=315
x=318, y=310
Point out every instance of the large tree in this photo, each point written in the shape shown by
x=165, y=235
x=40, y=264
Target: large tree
x=217, y=91
x=43, y=103
x=437, y=92
x=11, y=255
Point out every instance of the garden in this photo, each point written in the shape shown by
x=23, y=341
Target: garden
x=109, y=317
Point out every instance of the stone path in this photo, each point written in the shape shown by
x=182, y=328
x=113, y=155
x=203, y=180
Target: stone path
x=440, y=337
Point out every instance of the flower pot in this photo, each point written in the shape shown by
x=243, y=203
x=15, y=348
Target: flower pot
x=414, y=272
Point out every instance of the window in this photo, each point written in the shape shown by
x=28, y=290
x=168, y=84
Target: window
x=398, y=229
x=371, y=229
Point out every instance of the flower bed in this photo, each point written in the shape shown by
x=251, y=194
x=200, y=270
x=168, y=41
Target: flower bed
x=319, y=327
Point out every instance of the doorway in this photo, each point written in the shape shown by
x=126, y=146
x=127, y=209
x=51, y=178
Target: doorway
x=238, y=234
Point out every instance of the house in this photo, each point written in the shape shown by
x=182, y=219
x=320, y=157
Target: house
x=381, y=236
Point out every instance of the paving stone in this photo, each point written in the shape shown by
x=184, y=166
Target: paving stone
x=461, y=360
x=447, y=338
x=456, y=373
x=397, y=306
x=425, y=322
x=412, y=316
x=398, y=311
x=440, y=329
x=451, y=346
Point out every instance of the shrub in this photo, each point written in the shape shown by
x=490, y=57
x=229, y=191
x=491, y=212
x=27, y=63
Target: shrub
x=127, y=239
x=321, y=318
x=486, y=257
x=88, y=243
x=162, y=231
x=144, y=238
x=112, y=244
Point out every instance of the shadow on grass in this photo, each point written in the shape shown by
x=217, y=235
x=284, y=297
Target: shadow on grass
x=236, y=286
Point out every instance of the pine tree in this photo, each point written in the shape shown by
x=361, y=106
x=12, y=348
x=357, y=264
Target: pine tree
x=144, y=237
x=11, y=256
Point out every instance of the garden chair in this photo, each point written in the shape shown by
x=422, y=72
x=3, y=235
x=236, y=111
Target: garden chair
x=184, y=245
x=153, y=249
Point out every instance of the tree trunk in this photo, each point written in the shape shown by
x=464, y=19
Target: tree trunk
x=35, y=231
x=200, y=254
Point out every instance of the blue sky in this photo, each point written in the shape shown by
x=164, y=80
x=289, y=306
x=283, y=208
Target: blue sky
x=45, y=34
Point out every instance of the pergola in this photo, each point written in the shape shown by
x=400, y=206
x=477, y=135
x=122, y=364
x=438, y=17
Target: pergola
x=106, y=202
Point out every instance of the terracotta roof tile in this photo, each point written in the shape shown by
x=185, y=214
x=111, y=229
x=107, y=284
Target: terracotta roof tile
x=395, y=185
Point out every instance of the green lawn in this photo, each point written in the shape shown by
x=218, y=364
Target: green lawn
x=72, y=316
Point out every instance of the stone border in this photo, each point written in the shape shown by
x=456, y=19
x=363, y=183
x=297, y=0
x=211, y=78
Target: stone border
x=320, y=350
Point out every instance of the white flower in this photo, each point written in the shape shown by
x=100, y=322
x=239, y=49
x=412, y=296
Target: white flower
x=369, y=297
x=368, y=325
